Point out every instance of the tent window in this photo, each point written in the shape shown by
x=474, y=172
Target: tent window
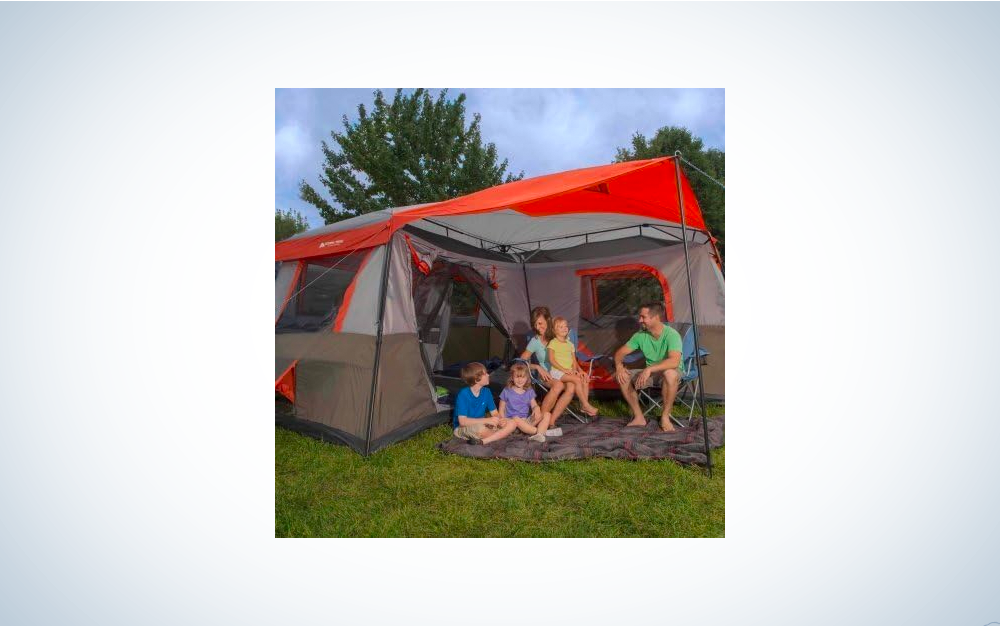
x=623, y=296
x=613, y=293
x=464, y=305
x=319, y=293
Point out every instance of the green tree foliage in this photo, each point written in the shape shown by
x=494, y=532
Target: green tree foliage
x=288, y=223
x=711, y=197
x=412, y=150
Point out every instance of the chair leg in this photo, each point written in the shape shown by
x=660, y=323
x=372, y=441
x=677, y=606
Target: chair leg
x=694, y=398
x=645, y=395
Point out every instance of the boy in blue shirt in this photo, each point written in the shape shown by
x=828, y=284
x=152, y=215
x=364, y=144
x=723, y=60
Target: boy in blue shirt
x=472, y=404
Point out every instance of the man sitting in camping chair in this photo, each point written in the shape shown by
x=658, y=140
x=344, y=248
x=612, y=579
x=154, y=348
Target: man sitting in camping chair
x=662, y=347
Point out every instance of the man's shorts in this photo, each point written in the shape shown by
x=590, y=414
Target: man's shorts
x=655, y=379
x=476, y=431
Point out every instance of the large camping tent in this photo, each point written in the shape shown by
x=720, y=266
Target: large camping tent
x=363, y=306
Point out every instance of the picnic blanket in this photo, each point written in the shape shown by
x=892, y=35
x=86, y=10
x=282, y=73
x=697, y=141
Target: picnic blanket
x=607, y=437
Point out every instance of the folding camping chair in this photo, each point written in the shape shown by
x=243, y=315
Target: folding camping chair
x=688, y=382
x=536, y=380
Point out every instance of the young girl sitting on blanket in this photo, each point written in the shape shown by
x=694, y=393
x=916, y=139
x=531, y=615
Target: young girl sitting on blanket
x=565, y=367
x=517, y=403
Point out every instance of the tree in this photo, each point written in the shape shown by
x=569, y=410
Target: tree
x=288, y=223
x=413, y=150
x=711, y=197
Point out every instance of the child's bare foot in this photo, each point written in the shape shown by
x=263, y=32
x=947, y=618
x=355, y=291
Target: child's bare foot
x=590, y=410
x=666, y=426
x=637, y=421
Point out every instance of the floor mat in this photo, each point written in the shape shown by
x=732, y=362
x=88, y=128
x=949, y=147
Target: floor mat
x=607, y=437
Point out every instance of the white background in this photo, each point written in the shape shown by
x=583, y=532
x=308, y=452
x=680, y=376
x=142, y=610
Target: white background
x=137, y=160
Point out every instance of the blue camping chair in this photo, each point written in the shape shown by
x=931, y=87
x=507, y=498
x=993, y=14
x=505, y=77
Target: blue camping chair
x=688, y=382
x=536, y=380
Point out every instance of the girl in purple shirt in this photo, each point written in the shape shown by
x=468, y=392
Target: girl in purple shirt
x=517, y=403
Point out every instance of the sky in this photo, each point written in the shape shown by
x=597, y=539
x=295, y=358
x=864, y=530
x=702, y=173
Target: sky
x=539, y=131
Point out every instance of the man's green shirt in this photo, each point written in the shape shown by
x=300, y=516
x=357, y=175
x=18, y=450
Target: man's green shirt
x=655, y=350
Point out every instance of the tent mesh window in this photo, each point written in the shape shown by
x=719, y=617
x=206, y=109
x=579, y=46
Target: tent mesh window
x=609, y=297
x=319, y=293
x=464, y=304
x=609, y=305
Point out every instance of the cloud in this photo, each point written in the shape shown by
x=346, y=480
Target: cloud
x=292, y=146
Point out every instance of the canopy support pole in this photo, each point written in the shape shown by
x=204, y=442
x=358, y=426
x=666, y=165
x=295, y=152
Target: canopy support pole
x=694, y=312
x=527, y=294
x=379, y=324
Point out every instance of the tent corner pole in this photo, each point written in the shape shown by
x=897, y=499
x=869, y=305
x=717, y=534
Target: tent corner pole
x=694, y=312
x=379, y=325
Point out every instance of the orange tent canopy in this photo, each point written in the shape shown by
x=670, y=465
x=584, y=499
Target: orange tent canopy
x=643, y=188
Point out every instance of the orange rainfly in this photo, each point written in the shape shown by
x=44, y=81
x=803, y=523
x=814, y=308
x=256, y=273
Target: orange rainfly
x=643, y=188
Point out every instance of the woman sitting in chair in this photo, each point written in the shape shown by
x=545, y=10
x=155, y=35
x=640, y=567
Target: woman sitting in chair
x=560, y=394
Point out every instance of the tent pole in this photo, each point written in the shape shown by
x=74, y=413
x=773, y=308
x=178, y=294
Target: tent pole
x=527, y=294
x=694, y=312
x=379, y=323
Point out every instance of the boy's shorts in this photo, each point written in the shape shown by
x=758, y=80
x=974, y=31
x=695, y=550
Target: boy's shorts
x=476, y=431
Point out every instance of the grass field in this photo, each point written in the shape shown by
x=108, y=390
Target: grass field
x=410, y=489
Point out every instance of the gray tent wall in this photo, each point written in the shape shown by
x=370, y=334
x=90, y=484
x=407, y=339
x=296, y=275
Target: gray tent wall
x=404, y=395
x=558, y=286
x=333, y=370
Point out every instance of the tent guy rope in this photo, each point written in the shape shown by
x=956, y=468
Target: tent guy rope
x=695, y=168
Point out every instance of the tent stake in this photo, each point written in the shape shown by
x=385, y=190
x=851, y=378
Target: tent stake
x=379, y=322
x=694, y=312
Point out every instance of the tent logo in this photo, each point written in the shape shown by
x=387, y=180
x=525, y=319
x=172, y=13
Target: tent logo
x=331, y=243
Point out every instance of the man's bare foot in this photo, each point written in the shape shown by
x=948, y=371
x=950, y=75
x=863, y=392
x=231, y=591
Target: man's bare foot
x=666, y=426
x=638, y=421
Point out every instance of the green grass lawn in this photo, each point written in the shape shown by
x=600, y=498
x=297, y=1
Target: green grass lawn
x=411, y=489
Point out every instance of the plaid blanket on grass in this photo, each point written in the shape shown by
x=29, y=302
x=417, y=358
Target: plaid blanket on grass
x=606, y=437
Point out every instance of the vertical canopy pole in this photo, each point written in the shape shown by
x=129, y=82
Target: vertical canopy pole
x=694, y=312
x=527, y=293
x=379, y=323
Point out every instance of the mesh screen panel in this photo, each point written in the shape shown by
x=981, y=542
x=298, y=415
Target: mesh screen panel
x=319, y=292
x=609, y=304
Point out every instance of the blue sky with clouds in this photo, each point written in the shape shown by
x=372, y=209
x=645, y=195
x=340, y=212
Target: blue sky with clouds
x=539, y=131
